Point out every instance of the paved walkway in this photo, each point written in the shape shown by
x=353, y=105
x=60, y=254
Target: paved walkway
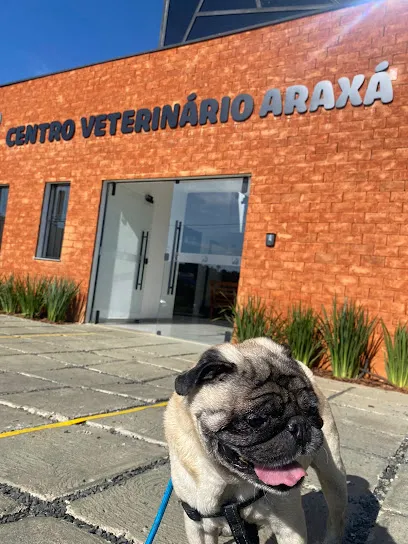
x=101, y=481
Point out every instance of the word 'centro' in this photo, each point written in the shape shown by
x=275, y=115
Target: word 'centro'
x=212, y=111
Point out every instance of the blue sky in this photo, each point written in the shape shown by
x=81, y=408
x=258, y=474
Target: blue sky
x=38, y=37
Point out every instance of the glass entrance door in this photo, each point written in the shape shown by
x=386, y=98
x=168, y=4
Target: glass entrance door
x=204, y=248
x=124, y=254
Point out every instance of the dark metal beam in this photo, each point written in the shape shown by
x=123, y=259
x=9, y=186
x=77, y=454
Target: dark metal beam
x=163, y=28
x=193, y=19
x=261, y=10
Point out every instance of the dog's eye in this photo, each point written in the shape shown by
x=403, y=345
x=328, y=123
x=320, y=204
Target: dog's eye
x=256, y=421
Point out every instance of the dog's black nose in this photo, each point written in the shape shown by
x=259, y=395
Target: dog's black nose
x=297, y=428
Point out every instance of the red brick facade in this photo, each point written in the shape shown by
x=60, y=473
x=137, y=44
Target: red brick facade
x=331, y=184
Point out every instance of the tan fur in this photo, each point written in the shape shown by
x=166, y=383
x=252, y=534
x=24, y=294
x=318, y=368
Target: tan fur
x=182, y=435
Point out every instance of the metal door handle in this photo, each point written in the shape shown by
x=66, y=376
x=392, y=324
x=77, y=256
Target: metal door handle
x=143, y=260
x=174, y=255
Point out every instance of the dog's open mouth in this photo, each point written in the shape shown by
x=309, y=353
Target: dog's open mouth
x=281, y=478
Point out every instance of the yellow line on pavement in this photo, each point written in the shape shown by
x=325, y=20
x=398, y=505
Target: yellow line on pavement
x=47, y=334
x=78, y=420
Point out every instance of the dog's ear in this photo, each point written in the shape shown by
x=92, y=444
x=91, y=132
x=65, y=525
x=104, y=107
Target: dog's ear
x=211, y=365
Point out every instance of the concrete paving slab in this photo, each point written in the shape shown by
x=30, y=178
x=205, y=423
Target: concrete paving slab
x=7, y=321
x=172, y=363
x=165, y=383
x=192, y=358
x=176, y=349
x=130, y=509
x=381, y=405
x=397, y=498
x=127, y=354
x=41, y=530
x=5, y=351
x=97, y=342
x=28, y=363
x=147, y=392
x=121, y=354
x=362, y=469
x=54, y=463
x=80, y=377
x=316, y=512
x=76, y=343
x=25, y=331
x=8, y=318
x=134, y=340
x=142, y=336
x=134, y=371
x=357, y=389
x=8, y=506
x=396, y=426
x=146, y=424
x=80, y=358
x=12, y=419
x=365, y=439
x=70, y=403
x=15, y=383
x=363, y=396
x=25, y=325
x=29, y=345
x=389, y=529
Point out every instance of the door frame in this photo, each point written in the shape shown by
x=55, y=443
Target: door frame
x=106, y=184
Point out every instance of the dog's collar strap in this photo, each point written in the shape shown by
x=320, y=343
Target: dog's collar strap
x=242, y=531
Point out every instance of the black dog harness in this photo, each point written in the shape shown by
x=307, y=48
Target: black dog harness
x=242, y=531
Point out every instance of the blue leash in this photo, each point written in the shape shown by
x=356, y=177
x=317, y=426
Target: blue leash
x=160, y=513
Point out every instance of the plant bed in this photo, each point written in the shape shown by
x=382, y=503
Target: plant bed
x=338, y=344
x=38, y=298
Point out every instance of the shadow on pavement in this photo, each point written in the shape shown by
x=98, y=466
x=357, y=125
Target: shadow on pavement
x=363, y=510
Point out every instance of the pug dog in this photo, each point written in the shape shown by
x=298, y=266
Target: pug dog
x=249, y=417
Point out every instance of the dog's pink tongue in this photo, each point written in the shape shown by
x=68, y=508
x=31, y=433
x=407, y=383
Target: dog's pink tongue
x=288, y=475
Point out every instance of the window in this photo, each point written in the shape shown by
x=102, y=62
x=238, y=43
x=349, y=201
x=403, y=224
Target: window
x=3, y=205
x=53, y=220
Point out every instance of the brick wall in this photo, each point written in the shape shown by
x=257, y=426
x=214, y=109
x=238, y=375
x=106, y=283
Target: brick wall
x=331, y=184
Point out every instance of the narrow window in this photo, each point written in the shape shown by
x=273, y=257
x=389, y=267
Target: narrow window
x=53, y=218
x=3, y=206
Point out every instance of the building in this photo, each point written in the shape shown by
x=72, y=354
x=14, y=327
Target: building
x=272, y=160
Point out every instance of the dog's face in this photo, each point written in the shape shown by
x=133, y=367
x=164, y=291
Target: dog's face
x=255, y=410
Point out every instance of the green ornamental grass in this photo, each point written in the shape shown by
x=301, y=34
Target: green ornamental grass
x=348, y=335
x=8, y=295
x=396, y=355
x=303, y=335
x=30, y=296
x=253, y=319
x=59, y=295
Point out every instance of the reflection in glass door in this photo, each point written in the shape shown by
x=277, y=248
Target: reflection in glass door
x=204, y=248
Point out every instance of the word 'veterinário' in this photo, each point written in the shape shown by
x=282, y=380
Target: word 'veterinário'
x=210, y=110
